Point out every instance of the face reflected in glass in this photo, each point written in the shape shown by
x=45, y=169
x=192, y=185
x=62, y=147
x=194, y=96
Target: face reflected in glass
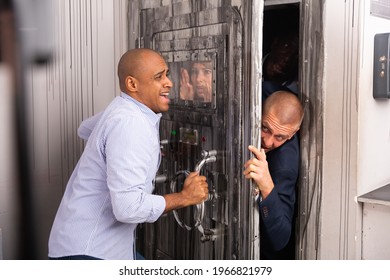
x=197, y=83
x=201, y=79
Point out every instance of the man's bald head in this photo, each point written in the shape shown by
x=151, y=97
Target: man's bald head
x=132, y=63
x=286, y=106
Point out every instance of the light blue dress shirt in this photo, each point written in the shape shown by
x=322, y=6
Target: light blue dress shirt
x=109, y=191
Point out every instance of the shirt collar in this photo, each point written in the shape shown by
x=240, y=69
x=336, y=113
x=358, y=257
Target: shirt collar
x=154, y=118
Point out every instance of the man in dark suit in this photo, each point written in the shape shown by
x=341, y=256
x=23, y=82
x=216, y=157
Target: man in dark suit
x=274, y=169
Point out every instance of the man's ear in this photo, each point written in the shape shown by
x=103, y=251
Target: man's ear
x=131, y=83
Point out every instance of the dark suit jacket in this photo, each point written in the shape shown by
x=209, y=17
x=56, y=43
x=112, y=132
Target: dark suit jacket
x=277, y=210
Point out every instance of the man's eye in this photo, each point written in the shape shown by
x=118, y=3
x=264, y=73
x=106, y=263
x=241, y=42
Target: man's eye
x=280, y=138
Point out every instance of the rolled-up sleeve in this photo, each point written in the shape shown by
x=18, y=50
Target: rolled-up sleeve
x=132, y=155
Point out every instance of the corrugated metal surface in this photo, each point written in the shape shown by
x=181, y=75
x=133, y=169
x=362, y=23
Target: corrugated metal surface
x=89, y=37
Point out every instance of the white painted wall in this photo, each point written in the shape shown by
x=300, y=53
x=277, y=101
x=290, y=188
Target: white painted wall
x=374, y=142
x=376, y=242
x=356, y=127
x=374, y=114
x=338, y=238
x=89, y=38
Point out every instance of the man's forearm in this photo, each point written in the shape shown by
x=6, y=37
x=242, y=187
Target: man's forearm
x=175, y=201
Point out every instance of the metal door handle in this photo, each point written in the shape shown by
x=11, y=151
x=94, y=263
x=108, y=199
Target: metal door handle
x=207, y=157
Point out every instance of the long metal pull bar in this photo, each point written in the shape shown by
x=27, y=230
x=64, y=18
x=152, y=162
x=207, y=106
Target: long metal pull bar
x=199, y=213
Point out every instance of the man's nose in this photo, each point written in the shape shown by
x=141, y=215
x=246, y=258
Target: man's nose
x=168, y=83
x=200, y=77
x=268, y=142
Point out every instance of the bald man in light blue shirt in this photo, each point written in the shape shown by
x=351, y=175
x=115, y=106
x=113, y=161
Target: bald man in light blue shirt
x=110, y=190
